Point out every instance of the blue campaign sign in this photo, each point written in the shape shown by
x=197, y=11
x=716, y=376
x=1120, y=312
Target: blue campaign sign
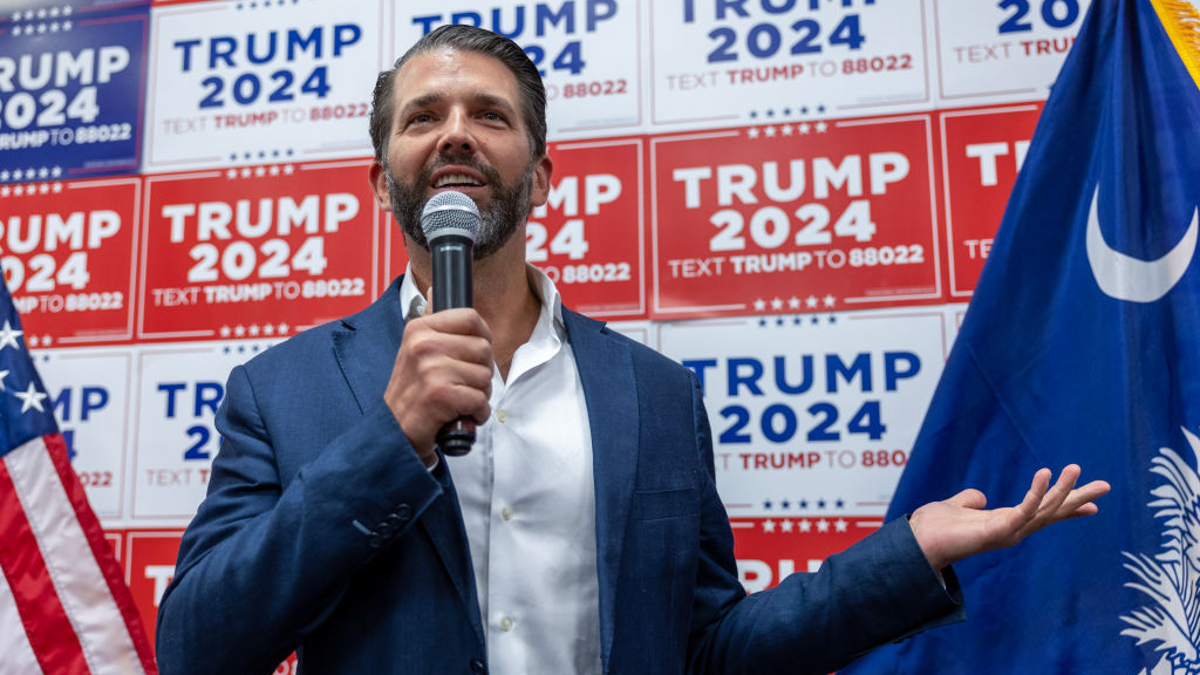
x=71, y=90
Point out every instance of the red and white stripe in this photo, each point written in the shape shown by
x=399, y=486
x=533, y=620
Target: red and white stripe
x=64, y=606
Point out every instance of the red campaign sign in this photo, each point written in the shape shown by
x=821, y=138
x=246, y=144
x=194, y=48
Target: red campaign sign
x=114, y=540
x=769, y=549
x=67, y=250
x=149, y=567
x=589, y=237
x=982, y=150
x=256, y=251
x=794, y=217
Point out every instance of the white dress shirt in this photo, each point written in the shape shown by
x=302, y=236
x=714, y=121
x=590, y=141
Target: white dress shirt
x=529, y=505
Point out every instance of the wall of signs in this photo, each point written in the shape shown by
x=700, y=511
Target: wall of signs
x=793, y=198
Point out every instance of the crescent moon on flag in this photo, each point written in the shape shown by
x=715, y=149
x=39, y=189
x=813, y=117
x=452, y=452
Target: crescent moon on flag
x=1126, y=278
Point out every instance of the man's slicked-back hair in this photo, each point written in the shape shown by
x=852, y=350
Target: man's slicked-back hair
x=466, y=39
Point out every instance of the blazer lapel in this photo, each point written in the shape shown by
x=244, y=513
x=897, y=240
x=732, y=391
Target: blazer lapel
x=365, y=346
x=606, y=371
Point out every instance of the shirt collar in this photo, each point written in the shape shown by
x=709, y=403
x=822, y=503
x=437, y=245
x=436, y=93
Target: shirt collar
x=412, y=302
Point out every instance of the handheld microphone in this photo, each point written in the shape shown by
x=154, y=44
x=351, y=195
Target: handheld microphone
x=451, y=222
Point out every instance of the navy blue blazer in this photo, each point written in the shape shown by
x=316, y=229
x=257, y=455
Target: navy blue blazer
x=322, y=532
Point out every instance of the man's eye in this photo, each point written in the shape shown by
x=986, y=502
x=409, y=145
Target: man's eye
x=420, y=118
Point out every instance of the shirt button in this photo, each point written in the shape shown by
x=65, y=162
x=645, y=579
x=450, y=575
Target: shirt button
x=506, y=513
x=506, y=624
x=501, y=415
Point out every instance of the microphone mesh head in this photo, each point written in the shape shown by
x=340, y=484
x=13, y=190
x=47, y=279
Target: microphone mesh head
x=450, y=213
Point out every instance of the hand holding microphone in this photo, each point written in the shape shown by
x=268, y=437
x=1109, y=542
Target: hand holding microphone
x=450, y=222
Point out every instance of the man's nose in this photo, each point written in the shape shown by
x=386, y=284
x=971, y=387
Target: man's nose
x=456, y=134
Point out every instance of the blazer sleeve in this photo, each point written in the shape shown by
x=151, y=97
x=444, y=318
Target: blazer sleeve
x=261, y=565
x=881, y=589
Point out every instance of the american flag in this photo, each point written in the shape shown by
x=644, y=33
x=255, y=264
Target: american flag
x=64, y=607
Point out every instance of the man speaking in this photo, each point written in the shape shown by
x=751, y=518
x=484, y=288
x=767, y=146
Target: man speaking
x=582, y=532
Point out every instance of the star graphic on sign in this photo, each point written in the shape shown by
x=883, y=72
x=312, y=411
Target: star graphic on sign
x=786, y=525
x=830, y=301
x=768, y=525
x=821, y=127
x=822, y=525
x=31, y=398
x=793, y=302
x=771, y=130
x=225, y=331
x=804, y=128
x=268, y=329
x=8, y=336
x=752, y=132
x=805, y=525
x=231, y=174
x=777, y=304
x=786, y=129
x=760, y=305
x=274, y=171
x=283, y=329
x=239, y=331
x=811, y=302
x=840, y=525
x=254, y=331
x=287, y=169
x=3, y=374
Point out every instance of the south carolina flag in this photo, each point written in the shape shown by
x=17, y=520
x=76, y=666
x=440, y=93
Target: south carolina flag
x=64, y=608
x=1082, y=344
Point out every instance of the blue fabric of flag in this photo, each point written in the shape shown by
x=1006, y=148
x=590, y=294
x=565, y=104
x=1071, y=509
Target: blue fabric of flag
x=26, y=412
x=1067, y=355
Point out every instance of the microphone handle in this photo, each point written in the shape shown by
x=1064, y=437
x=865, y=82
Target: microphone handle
x=453, y=288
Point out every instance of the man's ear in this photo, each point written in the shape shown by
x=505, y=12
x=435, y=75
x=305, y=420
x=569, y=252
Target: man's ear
x=378, y=178
x=541, y=181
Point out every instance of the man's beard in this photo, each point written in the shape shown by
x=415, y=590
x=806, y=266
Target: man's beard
x=504, y=214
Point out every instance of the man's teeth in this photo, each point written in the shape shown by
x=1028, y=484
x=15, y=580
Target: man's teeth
x=455, y=179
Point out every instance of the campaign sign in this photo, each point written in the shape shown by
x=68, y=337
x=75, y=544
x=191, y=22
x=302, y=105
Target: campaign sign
x=149, y=567
x=589, y=237
x=68, y=250
x=982, y=150
x=715, y=60
x=71, y=90
x=794, y=218
x=179, y=389
x=1010, y=49
x=256, y=251
x=90, y=393
x=587, y=51
x=769, y=549
x=812, y=415
x=237, y=82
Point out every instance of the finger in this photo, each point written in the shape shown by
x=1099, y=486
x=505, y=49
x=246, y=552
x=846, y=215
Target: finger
x=1062, y=488
x=460, y=321
x=968, y=499
x=1028, y=508
x=1084, y=496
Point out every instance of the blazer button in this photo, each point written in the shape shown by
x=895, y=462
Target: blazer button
x=478, y=667
x=403, y=513
x=375, y=541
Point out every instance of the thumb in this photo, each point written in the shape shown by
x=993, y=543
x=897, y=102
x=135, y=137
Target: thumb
x=968, y=499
